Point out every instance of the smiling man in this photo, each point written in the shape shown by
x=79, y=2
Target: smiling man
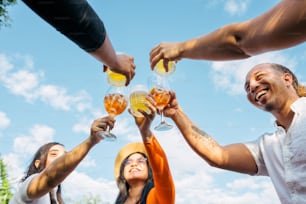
x=280, y=155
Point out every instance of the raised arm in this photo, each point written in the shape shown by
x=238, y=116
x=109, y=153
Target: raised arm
x=234, y=157
x=60, y=168
x=281, y=27
x=78, y=21
x=164, y=189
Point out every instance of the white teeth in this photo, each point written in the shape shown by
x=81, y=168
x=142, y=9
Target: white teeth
x=259, y=94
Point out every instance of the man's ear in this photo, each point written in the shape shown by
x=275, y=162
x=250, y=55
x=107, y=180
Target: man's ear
x=288, y=78
x=37, y=163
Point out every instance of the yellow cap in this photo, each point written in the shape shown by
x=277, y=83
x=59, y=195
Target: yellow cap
x=124, y=153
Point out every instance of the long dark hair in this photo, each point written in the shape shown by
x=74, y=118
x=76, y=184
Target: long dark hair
x=124, y=186
x=41, y=155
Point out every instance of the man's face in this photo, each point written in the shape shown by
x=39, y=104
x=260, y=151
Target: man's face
x=266, y=87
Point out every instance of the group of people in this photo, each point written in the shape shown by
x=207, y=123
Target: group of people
x=142, y=171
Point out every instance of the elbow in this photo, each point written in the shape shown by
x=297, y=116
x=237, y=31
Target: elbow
x=215, y=164
x=233, y=38
x=216, y=160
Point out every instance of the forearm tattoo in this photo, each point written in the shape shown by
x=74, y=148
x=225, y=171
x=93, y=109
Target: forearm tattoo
x=201, y=135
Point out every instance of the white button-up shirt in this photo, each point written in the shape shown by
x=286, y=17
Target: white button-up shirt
x=282, y=156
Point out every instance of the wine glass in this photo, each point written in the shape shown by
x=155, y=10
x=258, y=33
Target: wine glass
x=160, y=92
x=138, y=94
x=115, y=99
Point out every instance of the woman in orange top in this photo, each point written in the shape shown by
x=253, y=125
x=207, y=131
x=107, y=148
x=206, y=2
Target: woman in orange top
x=142, y=172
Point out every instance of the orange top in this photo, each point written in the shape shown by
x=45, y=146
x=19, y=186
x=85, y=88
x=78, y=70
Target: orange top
x=163, y=191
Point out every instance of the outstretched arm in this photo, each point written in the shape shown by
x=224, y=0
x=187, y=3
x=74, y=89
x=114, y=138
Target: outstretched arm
x=78, y=21
x=60, y=168
x=281, y=27
x=234, y=157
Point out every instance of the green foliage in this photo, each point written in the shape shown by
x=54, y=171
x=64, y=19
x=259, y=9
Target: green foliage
x=4, y=17
x=5, y=188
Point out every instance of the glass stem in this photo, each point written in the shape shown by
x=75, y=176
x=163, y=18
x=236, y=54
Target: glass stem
x=162, y=120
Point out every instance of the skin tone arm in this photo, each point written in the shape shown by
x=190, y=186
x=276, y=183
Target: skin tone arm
x=234, y=157
x=119, y=63
x=80, y=23
x=61, y=167
x=281, y=27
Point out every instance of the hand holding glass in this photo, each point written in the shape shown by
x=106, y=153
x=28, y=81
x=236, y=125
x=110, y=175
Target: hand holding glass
x=115, y=101
x=160, y=69
x=138, y=94
x=160, y=92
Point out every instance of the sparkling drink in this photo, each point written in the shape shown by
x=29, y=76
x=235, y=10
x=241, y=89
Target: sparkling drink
x=115, y=103
x=161, y=70
x=138, y=99
x=161, y=96
x=160, y=92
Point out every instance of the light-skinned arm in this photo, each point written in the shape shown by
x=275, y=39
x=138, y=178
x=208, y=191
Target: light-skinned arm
x=234, y=157
x=79, y=22
x=61, y=167
x=281, y=27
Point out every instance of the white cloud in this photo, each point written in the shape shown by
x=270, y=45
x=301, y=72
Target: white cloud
x=4, y=120
x=82, y=126
x=59, y=99
x=230, y=75
x=20, y=80
x=88, y=162
x=236, y=7
x=14, y=168
x=78, y=184
x=27, y=145
x=5, y=65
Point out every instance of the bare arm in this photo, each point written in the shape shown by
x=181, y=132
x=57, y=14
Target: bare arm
x=60, y=168
x=234, y=157
x=281, y=27
x=78, y=21
x=120, y=63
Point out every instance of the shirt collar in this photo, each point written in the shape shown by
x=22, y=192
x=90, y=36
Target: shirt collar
x=297, y=106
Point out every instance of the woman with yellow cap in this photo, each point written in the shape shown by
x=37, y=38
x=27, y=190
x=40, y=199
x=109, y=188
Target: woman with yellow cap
x=142, y=172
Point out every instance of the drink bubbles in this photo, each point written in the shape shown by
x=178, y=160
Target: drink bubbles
x=138, y=94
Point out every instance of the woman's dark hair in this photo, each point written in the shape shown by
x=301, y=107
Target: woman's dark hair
x=124, y=186
x=41, y=155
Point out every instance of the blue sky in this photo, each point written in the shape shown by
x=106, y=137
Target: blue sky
x=50, y=90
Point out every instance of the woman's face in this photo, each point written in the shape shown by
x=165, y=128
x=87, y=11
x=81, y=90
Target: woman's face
x=54, y=152
x=135, y=168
